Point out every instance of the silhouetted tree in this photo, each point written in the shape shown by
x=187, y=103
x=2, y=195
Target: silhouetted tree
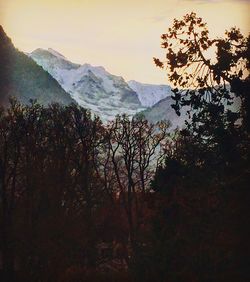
x=203, y=82
x=50, y=195
x=133, y=147
x=203, y=184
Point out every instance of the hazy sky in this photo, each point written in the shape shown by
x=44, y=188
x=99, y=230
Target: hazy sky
x=121, y=35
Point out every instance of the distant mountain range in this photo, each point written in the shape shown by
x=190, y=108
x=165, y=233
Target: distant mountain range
x=22, y=78
x=47, y=76
x=92, y=87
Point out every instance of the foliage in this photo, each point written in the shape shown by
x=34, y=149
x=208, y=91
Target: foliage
x=202, y=186
x=68, y=186
x=207, y=83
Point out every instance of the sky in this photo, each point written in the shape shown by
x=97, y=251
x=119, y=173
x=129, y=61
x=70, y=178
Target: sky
x=121, y=35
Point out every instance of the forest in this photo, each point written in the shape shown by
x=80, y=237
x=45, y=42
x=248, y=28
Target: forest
x=128, y=200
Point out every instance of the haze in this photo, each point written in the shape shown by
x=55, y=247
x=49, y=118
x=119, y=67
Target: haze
x=122, y=36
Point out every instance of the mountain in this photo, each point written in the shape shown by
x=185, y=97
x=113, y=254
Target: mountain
x=92, y=87
x=150, y=94
x=163, y=111
x=47, y=76
x=22, y=78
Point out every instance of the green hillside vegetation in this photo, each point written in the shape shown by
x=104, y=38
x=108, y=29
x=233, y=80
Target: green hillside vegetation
x=23, y=79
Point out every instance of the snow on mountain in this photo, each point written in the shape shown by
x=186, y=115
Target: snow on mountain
x=150, y=94
x=57, y=54
x=104, y=94
x=92, y=87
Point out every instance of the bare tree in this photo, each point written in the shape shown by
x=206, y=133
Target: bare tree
x=134, y=150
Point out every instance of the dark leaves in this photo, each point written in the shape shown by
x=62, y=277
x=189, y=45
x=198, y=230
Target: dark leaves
x=158, y=63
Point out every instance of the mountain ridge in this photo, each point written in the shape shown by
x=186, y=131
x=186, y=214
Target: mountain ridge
x=95, y=88
x=48, y=76
x=23, y=79
x=92, y=87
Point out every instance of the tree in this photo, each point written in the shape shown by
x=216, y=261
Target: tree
x=202, y=81
x=11, y=137
x=49, y=192
x=214, y=87
x=204, y=179
x=132, y=146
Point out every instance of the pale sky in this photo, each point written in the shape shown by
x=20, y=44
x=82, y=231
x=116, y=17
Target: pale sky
x=121, y=35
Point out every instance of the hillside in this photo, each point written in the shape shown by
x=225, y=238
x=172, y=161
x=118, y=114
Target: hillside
x=22, y=78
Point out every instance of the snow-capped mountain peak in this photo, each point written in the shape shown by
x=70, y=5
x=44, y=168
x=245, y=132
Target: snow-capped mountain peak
x=92, y=87
x=149, y=94
x=57, y=54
